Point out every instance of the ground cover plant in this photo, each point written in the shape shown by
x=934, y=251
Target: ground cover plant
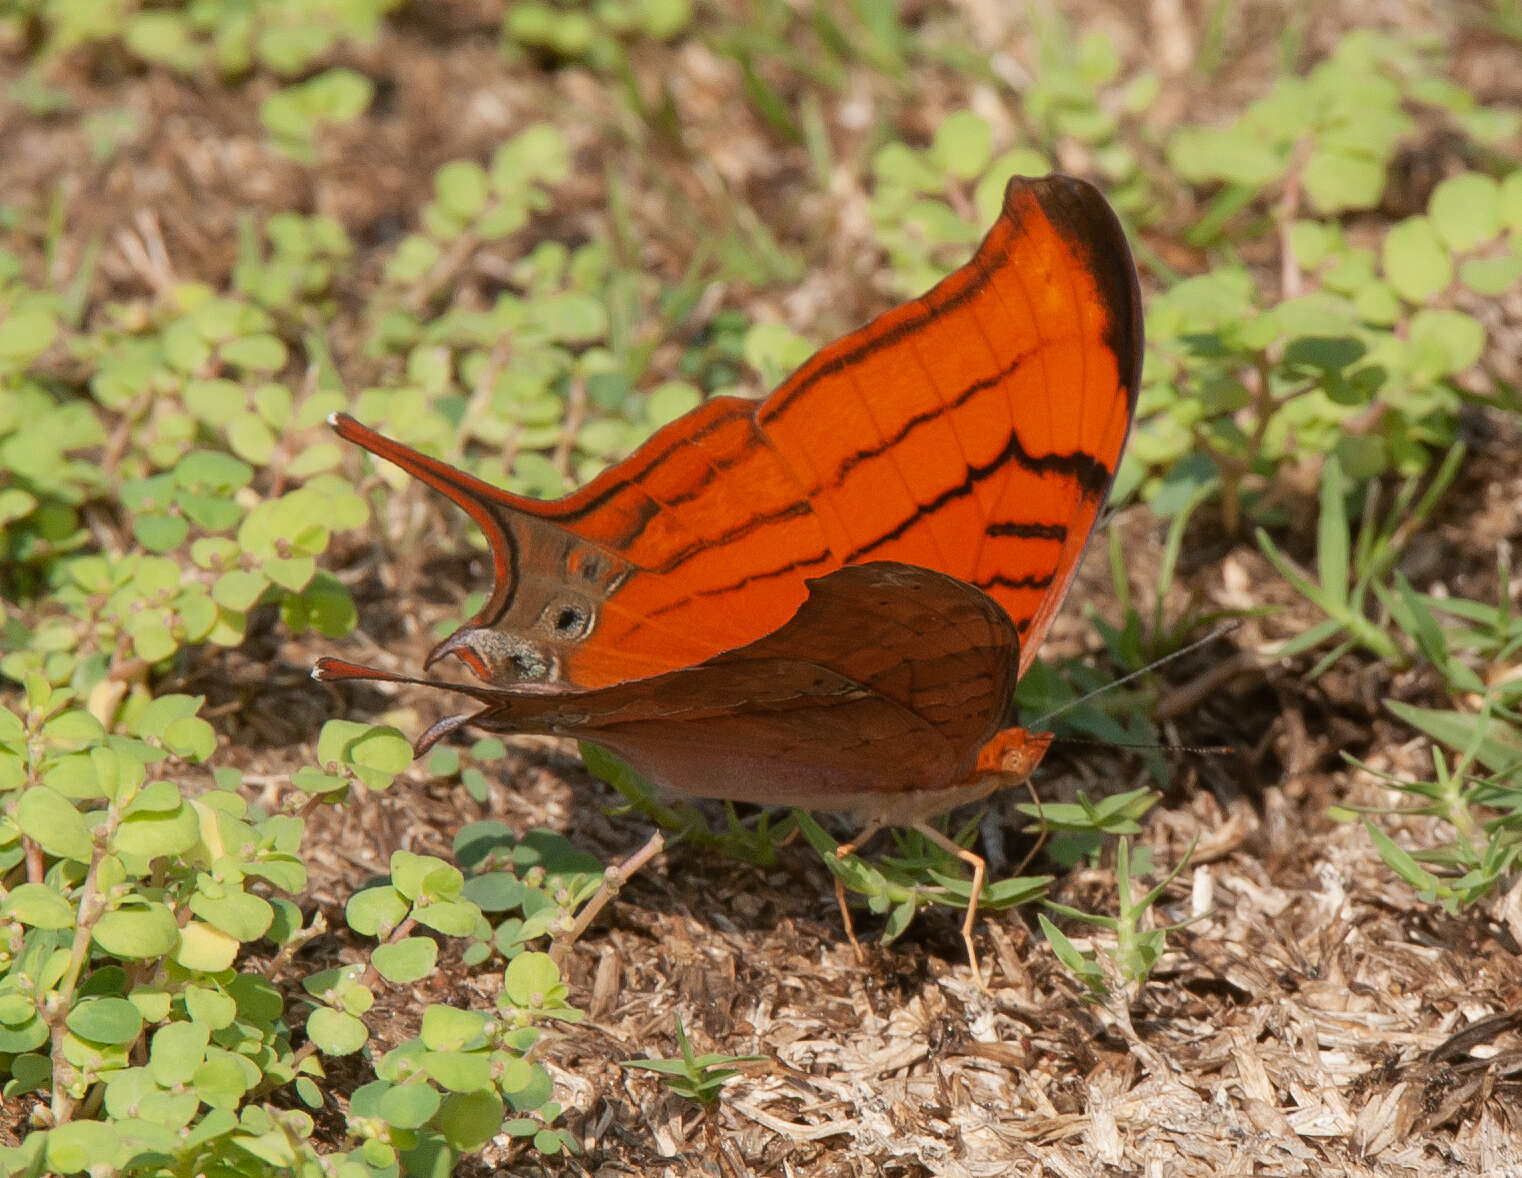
x=243, y=932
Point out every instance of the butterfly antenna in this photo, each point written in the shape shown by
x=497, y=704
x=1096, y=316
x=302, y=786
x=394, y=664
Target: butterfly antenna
x=1219, y=632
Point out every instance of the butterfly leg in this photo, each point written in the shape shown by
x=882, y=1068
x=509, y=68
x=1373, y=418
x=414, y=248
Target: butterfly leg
x=841, y=852
x=613, y=879
x=979, y=872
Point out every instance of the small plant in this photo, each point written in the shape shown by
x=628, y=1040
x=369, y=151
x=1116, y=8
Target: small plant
x=917, y=875
x=1129, y=962
x=1349, y=575
x=293, y=115
x=223, y=37
x=124, y=995
x=698, y=1078
x=1483, y=814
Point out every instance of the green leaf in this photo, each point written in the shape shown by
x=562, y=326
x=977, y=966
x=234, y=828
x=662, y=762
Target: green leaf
x=468, y=1120
x=242, y=916
x=251, y=438
x=1497, y=745
x=494, y=891
x=50, y=820
x=447, y=1029
x=154, y=834
x=324, y=605
x=256, y=353
x=670, y=401
x=1339, y=178
x=373, y=912
x=204, y=949
x=160, y=533
x=1466, y=210
x=38, y=905
x=80, y=1145
x=335, y=1032
x=409, y=1106
x=1491, y=276
x=105, y=1020
x=1445, y=341
x=461, y=188
x=210, y=1008
x=963, y=145
x=223, y=1078
x=138, y=932
x=454, y=918
x=459, y=1071
x=239, y=589
x=1416, y=261
x=406, y=961
x=212, y=470
x=530, y=978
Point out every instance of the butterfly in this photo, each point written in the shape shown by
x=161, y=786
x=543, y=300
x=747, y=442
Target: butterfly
x=825, y=598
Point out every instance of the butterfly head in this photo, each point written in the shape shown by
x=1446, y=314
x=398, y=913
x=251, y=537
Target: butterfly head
x=1013, y=754
x=548, y=584
x=547, y=599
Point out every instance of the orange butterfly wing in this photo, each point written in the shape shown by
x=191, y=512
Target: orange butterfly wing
x=877, y=695
x=974, y=430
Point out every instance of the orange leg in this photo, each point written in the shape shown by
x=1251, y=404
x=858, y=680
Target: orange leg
x=841, y=852
x=979, y=871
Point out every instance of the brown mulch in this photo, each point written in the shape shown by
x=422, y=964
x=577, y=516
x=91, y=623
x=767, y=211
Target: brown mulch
x=1313, y=1016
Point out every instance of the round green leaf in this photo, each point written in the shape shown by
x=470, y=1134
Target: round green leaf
x=1338, y=178
x=151, y=634
x=160, y=533
x=1466, y=210
x=408, y=1106
x=458, y=1071
x=50, y=820
x=190, y=737
x=469, y=1120
x=25, y=335
x=529, y=977
x=154, y=835
x=407, y=961
x=494, y=891
x=80, y=1145
x=670, y=401
x=454, y=918
x=240, y=915
x=259, y=353
x=137, y=932
x=212, y=470
x=335, y=1032
x=23, y=1036
x=251, y=438
x=210, y=1008
x=105, y=1020
x=384, y=750
x=1491, y=276
x=963, y=145
x=448, y=1029
x=461, y=187
x=1416, y=262
x=1452, y=339
x=39, y=906
x=222, y=1079
x=375, y=909
x=177, y=1052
